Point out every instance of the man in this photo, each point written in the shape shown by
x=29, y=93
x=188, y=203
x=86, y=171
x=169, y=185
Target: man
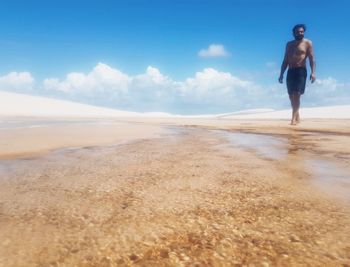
x=297, y=51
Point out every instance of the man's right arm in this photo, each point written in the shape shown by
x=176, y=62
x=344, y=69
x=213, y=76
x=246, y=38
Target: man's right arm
x=284, y=65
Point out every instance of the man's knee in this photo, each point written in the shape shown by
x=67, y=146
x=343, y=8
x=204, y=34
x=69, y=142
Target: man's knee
x=296, y=95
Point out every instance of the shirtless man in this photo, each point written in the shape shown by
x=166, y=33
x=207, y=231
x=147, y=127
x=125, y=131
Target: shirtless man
x=297, y=51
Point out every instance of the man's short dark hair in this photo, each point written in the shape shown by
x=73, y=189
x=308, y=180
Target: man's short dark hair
x=299, y=26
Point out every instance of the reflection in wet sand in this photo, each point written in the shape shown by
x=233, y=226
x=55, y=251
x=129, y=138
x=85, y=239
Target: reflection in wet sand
x=327, y=174
x=266, y=146
x=331, y=177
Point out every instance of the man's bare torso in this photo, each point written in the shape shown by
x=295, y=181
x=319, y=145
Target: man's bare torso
x=297, y=52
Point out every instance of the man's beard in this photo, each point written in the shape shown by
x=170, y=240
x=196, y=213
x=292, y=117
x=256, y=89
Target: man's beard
x=299, y=37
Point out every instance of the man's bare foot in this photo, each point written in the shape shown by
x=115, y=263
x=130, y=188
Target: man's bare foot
x=293, y=122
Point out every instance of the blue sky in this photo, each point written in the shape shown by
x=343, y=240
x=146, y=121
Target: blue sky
x=158, y=42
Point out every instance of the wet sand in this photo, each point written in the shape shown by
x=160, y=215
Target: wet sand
x=197, y=196
x=41, y=136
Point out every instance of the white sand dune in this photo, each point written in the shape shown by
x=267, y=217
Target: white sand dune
x=331, y=112
x=14, y=104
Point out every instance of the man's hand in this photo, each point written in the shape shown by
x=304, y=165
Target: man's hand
x=280, y=79
x=312, y=77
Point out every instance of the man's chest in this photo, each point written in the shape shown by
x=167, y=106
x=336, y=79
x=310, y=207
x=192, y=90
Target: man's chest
x=297, y=49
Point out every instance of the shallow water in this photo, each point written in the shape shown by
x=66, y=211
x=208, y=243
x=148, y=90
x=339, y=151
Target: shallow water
x=19, y=166
x=328, y=175
x=36, y=123
x=27, y=123
x=331, y=177
x=10, y=168
x=266, y=146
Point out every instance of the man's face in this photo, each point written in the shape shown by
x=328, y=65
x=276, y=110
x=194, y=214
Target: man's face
x=299, y=34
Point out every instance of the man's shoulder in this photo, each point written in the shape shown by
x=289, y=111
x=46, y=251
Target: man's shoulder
x=308, y=41
x=289, y=43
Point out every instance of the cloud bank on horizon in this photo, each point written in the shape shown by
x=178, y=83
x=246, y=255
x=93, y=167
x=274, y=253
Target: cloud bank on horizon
x=208, y=91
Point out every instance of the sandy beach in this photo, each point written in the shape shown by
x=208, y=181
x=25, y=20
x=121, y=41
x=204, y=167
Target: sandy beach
x=176, y=192
x=40, y=136
x=184, y=133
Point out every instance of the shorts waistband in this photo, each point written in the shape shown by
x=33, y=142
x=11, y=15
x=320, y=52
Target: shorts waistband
x=297, y=68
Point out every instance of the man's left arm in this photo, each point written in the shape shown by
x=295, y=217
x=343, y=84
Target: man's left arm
x=312, y=62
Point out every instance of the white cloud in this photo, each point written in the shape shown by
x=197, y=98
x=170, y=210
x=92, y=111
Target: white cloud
x=327, y=91
x=100, y=79
x=208, y=91
x=214, y=50
x=271, y=64
x=153, y=90
x=152, y=77
x=17, y=81
x=329, y=84
x=211, y=85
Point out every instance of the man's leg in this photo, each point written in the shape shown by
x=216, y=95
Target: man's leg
x=291, y=98
x=295, y=108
